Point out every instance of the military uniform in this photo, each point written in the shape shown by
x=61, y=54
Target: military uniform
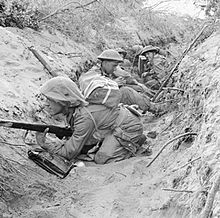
x=128, y=95
x=117, y=128
x=154, y=71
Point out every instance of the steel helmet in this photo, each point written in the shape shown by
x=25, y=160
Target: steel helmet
x=111, y=55
x=121, y=51
x=149, y=48
x=137, y=48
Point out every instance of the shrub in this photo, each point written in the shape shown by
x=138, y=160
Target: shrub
x=213, y=8
x=18, y=14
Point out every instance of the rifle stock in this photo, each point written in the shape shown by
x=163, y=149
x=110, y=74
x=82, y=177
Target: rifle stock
x=60, y=132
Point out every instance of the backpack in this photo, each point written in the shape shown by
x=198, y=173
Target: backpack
x=99, y=89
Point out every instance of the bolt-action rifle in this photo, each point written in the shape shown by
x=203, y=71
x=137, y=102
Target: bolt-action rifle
x=60, y=132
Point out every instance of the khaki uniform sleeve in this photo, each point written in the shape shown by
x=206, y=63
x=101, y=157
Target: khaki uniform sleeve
x=120, y=73
x=83, y=130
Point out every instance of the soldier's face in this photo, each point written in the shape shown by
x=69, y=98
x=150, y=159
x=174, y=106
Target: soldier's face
x=150, y=56
x=109, y=66
x=53, y=107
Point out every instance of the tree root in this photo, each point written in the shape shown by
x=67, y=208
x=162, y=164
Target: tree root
x=177, y=137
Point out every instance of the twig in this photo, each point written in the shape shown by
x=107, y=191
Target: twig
x=64, y=6
x=121, y=174
x=100, y=2
x=179, y=115
x=59, y=9
x=157, y=4
x=11, y=144
x=186, y=164
x=173, y=88
x=170, y=141
x=176, y=190
x=169, y=100
x=210, y=198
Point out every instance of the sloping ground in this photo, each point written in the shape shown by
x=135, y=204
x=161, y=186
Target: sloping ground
x=124, y=189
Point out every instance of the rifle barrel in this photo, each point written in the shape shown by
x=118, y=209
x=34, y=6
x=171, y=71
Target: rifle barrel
x=57, y=130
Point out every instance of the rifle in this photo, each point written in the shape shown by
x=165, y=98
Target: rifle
x=43, y=62
x=60, y=132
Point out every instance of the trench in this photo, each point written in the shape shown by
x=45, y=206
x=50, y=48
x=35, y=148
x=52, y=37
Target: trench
x=128, y=188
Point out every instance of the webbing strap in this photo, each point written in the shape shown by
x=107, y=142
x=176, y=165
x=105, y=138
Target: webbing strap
x=96, y=127
x=107, y=95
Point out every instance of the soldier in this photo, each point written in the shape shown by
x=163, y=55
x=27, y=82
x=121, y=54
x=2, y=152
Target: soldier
x=92, y=87
x=118, y=129
x=123, y=76
x=152, y=65
x=126, y=64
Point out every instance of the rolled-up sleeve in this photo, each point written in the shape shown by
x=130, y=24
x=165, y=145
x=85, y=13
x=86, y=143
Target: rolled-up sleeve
x=83, y=130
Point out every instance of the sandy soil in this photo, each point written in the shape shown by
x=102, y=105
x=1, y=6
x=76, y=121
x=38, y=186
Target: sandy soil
x=125, y=189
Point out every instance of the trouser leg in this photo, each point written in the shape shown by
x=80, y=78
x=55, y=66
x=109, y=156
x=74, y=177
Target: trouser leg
x=130, y=96
x=111, y=151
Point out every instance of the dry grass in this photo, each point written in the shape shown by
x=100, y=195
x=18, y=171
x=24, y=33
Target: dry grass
x=105, y=23
x=11, y=185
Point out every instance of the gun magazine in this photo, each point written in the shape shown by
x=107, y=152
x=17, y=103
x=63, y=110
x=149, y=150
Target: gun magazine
x=50, y=164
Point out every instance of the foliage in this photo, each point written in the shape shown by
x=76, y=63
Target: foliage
x=100, y=24
x=87, y=23
x=18, y=14
x=108, y=24
x=213, y=8
x=161, y=28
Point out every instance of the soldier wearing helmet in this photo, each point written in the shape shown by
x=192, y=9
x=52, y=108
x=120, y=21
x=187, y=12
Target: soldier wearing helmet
x=109, y=61
x=126, y=64
x=116, y=129
x=151, y=62
x=123, y=76
x=122, y=52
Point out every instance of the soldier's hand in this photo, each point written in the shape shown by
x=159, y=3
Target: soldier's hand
x=120, y=81
x=41, y=137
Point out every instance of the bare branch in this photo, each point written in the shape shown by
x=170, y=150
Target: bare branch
x=173, y=88
x=65, y=6
x=159, y=3
x=163, y=147
x=177, y=190
x=186, y=164
x=100, y=2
